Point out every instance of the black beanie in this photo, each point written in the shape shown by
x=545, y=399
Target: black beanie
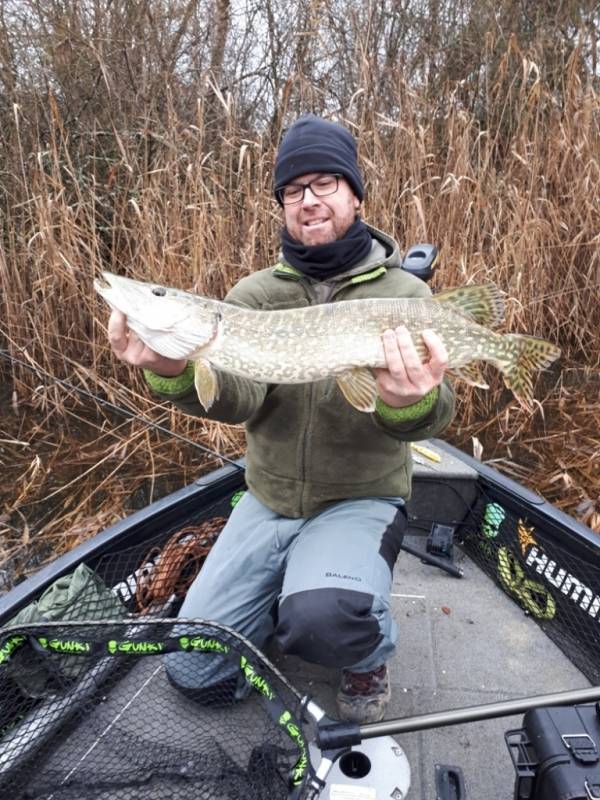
x=313, y=144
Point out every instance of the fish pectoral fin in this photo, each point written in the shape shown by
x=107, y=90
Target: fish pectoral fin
x=470, y=373
x=359, y=387
x=206, y=383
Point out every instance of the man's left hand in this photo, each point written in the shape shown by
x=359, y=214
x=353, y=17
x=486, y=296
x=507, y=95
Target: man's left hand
x=407, y=379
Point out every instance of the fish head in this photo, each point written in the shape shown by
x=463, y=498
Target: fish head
x=171, y=322
x=159, y=306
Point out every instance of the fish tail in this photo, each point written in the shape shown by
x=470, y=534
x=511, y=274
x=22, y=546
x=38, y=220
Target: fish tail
x=525, y=355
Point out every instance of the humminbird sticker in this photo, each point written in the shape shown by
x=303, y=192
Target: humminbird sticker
x=557, y=577
x=569, y=585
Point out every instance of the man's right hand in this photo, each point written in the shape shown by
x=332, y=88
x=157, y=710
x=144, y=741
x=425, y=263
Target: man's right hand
x=129, y=348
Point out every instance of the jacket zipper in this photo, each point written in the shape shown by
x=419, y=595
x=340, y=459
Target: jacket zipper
x=332, y=291
x=309, y=400
x=306, y=443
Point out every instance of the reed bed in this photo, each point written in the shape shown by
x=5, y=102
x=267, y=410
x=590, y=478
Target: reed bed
x=181, y=195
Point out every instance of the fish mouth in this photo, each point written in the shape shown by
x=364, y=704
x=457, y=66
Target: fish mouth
x=105, y=281
x=115, y=289
x=101, y=284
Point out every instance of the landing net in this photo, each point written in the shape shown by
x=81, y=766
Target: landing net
x=90, y=712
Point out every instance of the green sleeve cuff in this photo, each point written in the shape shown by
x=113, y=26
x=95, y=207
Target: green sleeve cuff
x=178, y=385
x=408, y=413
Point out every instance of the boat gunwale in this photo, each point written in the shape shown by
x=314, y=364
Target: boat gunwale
x=523, y=502
x=213, y=486
x=130, y=530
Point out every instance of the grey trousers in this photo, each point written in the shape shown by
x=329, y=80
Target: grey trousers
x=327, y=578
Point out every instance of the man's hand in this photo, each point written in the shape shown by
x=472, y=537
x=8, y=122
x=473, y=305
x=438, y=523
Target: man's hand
x=407, y=379
x=129, y=348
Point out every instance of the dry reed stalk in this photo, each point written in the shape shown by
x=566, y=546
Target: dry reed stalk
x=504, y=179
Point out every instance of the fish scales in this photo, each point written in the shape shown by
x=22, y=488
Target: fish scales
x=341, y=340
x=301, y=345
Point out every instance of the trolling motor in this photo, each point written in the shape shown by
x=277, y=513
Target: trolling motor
x=420, y=260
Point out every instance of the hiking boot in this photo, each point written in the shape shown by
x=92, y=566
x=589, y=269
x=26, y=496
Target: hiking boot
x=363, y=696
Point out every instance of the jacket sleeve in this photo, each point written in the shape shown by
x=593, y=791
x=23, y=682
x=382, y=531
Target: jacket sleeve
x=238, y=399
x=410, y=427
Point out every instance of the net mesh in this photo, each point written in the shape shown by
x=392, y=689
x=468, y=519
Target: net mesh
x=555, y=579
x=106, y=721
x=92, y=710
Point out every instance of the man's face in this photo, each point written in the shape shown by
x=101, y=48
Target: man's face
x=321, y=220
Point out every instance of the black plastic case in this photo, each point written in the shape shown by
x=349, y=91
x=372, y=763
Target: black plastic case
x=557, y=753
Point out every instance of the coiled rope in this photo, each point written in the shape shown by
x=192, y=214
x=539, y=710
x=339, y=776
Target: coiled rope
x=169, y=571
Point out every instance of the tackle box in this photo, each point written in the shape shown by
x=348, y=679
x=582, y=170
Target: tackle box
x=557, y=753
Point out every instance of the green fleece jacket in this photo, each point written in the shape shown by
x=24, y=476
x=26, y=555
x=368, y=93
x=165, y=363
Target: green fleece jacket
x=307, y=447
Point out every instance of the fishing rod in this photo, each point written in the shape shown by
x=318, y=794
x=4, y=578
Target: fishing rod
x=122, y=410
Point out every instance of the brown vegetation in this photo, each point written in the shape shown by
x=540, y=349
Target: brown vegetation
x=139, y=137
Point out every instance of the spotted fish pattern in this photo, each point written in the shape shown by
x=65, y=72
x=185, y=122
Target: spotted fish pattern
x=340, y=340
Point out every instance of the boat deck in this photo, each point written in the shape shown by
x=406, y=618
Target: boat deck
x=462, y=642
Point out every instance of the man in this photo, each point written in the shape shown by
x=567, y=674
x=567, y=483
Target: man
x=319, y=530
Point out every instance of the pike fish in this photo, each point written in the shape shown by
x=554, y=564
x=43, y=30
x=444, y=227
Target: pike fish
x=341, y=339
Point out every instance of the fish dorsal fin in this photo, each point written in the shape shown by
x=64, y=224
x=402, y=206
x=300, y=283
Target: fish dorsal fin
x=359, y=387
x=469, y=373
x=483, y=303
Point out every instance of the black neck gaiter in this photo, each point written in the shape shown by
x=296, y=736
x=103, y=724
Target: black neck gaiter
x=322, y=261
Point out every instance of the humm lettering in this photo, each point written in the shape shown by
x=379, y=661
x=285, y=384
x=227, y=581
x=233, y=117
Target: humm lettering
x=568, y=584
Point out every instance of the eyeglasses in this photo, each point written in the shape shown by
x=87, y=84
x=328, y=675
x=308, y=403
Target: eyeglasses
x=320, y=187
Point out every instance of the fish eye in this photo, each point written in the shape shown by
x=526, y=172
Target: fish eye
x=159, y=291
